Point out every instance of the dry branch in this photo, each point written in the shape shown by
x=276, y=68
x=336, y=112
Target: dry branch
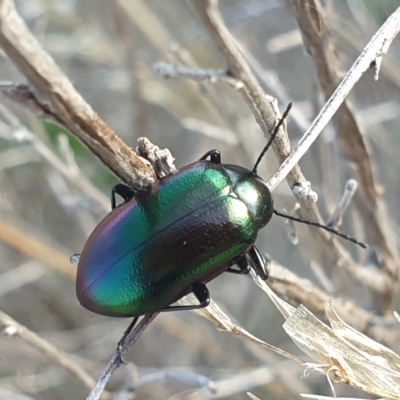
x=117, y=359
x=54, y=93
x=302, y=291
x=11, y=327
x=266, y=113
x=36, y=249
x=353, y=143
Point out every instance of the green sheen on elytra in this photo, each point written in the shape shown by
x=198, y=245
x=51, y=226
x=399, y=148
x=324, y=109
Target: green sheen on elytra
x=182, y=195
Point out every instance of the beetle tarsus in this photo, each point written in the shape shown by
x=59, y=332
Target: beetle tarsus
x=201, y=293
x=126, y=192
x=257, y=261
x=252, y=259
x=243, y=266
x=121, y=357
x=215, y=156
x=126, y=333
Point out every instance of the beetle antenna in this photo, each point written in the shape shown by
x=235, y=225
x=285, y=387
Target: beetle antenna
x=271, y=139
x=325, y=227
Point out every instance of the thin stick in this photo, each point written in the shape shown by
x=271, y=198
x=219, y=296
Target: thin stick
x=56, y=96
x=32, y=247
x=117, y=358
x=167, y=71
x=265, y=110
x=349, y=190
x=375, y=50
x=13, y=328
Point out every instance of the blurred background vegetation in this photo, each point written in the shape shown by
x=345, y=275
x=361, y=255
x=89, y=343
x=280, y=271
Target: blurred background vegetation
x=108, y=49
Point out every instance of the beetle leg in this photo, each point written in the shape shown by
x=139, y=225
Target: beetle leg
x=126, y=333
x=257, y=261
x=202, y=294
x=243, y=264
x=124, y=191
x=215, y=156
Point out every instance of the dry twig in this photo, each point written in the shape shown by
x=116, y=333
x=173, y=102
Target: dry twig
x=117, y=359
x=266, y=113
x=353, y=143
x=13, y=328
x=56, y=97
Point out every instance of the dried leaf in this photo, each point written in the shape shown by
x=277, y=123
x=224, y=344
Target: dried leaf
x=341, y=352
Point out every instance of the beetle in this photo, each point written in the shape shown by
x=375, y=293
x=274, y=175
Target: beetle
x=175, y=236
x=172, y=238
